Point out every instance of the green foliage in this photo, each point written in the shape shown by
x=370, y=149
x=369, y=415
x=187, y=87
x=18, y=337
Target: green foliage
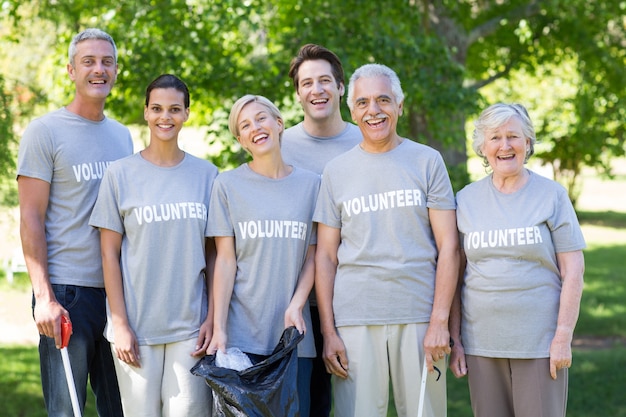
x=388, y=33
x=602, y=310
x=597, y=133
x=8, y=193
x=7, y=138
x=231, y=154
x=21, y=281
x=444, y=51
x=583, y=45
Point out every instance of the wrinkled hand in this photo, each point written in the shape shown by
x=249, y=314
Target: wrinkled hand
x=204, y=338
x=48, y=319
x=126, y=346
x=458, y=366
x=436, y=344
x=560, y=355
x=335, y=357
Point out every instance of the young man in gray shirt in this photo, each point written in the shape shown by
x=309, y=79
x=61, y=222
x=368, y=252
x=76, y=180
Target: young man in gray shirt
x=61, y=161
x=318, y=78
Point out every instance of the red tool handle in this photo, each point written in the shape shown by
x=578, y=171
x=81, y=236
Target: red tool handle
x=66, y=331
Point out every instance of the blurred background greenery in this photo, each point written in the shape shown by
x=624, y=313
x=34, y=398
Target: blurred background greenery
x=563, y=59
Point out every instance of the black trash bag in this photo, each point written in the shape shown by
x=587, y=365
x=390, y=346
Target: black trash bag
x=267, y=389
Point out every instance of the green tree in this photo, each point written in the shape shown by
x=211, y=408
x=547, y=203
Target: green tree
x=445, y=52
x=7, y=146
x=573, y=86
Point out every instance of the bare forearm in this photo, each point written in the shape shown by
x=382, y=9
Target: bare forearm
x=443, y=223
x=572, y=270
x=223, y=284
x=33, y=198
x=446, y=281
x=305, y=280
x=324, y=284
x=117, y=304
x=114, y=288
x=326, y=262
x=35, y=250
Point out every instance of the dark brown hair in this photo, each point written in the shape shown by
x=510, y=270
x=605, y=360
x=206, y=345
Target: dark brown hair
x=310, y=52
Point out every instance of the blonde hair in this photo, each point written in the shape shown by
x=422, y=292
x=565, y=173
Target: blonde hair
x=235, y=111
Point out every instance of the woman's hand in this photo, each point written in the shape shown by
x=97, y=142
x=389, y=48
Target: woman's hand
x=204, y=338
x=218, y=342
x=458, y=366
x=560, y=353
x=126, y=346
x=293, y=317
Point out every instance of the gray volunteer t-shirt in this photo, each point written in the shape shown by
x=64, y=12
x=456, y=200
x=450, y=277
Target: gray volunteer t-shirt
x=72, y=153
x=512, y=282
x=387, y=254
x=162, y=213
x=303, y=150
x=271, y=222
x=311, y=152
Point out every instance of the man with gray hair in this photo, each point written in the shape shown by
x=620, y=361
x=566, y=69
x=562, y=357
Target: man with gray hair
x=61, y=161
x=387, y=260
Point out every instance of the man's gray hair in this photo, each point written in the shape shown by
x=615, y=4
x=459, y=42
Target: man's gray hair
x=375, y=70
x=91, y=33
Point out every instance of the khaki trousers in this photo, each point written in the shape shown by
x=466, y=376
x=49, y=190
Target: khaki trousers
x=378, y=355
x=163, y=386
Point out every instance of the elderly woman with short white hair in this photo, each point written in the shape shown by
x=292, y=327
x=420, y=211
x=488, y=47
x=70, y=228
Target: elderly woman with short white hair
x=520, y=291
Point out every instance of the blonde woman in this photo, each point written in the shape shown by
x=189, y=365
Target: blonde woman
x=260, y=218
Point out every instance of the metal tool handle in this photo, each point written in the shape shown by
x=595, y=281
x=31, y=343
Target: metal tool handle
x=420, y=406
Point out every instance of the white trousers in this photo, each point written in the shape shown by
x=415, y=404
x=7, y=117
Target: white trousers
x=378, y=354
x=163, y=385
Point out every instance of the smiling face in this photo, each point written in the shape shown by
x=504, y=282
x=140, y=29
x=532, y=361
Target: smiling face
x=317, y=91
x=258, y=131
x=94, y=69
x=165, y=113
x=376, y=111
x=506, y=148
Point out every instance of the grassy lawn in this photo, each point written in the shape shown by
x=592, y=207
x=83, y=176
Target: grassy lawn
x=20, y=387
x=597, y=377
